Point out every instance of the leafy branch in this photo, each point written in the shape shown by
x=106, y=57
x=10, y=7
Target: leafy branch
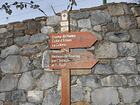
x=21, y=6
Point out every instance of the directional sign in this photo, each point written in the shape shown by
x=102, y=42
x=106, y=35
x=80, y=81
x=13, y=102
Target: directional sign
x=72, y=60
x=72, y=40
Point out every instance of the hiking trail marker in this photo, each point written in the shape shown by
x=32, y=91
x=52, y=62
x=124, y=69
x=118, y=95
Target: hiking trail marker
x=62, y=59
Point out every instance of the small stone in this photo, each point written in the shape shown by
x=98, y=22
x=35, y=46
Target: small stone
x=52, y=98
x=105, y=96
x=134, y=80
x=135, y=34
x=106, y=50
x=35, y=96
x=79, y=15
x=22, y=40
x=25, y=64
x=127, y=22
x=1, y=102
x=26, y=81
x=12, y=50
x=37, y=73
x=38, y=38
x=130, y=95
x=100, y=17
x=114, y=80
x=3, y=30
x=117, y=36
x=53, y=20
x=138, y=67
x=89, y=81
x=127, y=49
x=46, y=59
x=97, y=28
x=18, y=96
x=2, y=96
x=84, y=23
x=81, y=103
x=47, y=30
x=77, y=93
x=125, y=65
x=27, y=103
x=11, y=64
x=47, y=81
x=103, y=69
x=138, y=21
x=136, y=11
x=8, y=82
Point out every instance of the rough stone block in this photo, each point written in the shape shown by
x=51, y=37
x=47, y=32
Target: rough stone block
x=12, y=50
x=100, y=17
x=8, y=82
x=130, y=95
x=127, y=49
x=117, y=36
x=125, y=65
x=84, y=23
x=103, y=69
x=135, y=35
x=1, y=102
x=27, y=103
x=35, y=96
x=47, y=30
x=79, y=15
x=22, y=40
x=138, y=21
x=3, y=30
x=114, y=80
x=47, y=81
x=26, y=82
x=134, y=80
x=81, y=103
x=53, y=20
x=105, y=96
x=106, y=50
x=2, y=96
x=18, y=96
x=136, y=11
x=127, y=22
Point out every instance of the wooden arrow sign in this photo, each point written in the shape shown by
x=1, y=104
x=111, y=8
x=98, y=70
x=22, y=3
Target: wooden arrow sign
x=72, y=40
x=72, y=60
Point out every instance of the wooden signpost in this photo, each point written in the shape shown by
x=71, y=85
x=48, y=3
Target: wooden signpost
x=66, y=61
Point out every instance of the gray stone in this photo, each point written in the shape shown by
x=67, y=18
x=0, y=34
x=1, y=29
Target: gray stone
x=37, y=73
x=105, y=96
x=47, y=80
x=127, y=49
x=53, y=20
x=103, y=69
x=89, y=81
x=119, y=9
x=136, y=10
x=8, y=82
x=114, y=80
x=125, y=65
x=100, y=17
x=97, y=28
x=35, y=96
x=27, y=103
x=22, y=40
x=138, y=67
x=38, y=38
x=10, y=51
x=138, y=21
x=135, y=34
x=11, y=64
x=2, y=96
x=79, y=15
x=46, y=59
x=47, y=30
x=18, y=96
x=130, y=95
x=25, y=64
x=117, y=36
x=127, y=22
x=106, y=50
x=134, y=80
x=1, y=102
x=3, y=30
x=84, y=23
x=26, y=81
x=52, y=98
x=77, y=93
x=6, y=35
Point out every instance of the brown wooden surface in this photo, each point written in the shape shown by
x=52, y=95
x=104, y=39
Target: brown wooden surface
x=72, y=60
x=72, y=40
x=66, y=87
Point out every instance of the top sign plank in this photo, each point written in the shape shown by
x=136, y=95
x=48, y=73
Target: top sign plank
x=72, y=40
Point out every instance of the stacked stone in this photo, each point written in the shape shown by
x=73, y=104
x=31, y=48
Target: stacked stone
x=115, y=80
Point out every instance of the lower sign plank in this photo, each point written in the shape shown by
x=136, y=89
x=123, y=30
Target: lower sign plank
x=72, y=60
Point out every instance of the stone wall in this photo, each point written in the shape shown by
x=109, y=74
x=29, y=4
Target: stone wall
x=115, y=80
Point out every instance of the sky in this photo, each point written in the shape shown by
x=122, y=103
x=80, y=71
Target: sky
x=45, y=5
